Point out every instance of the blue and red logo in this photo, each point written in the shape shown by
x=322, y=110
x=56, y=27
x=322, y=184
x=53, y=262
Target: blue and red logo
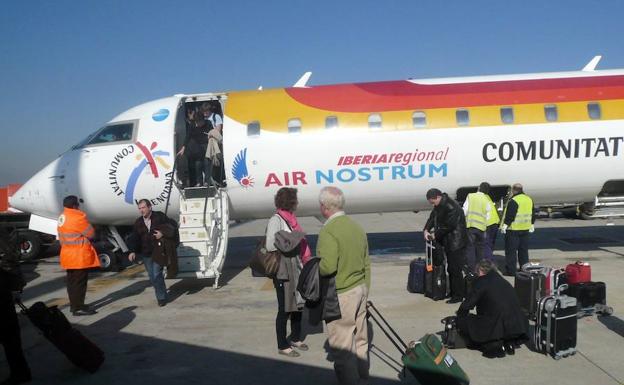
x=119, y=169
x=239, y=170
x=150, y=157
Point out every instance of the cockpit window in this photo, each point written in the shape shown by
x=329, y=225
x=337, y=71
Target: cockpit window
x=114, y=133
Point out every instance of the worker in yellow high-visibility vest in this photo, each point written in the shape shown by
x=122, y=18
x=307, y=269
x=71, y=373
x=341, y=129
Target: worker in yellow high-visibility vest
x=477, y=212
x=492, y=223
x=518, y=220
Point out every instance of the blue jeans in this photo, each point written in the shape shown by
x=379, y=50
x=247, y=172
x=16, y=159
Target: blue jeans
x=156, y=277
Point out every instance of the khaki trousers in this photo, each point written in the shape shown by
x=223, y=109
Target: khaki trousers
x=348, y=337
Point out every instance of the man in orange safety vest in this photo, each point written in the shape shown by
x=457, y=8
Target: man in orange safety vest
x=77, y=253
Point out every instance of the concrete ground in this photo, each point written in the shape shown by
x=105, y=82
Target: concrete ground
x=227, y=336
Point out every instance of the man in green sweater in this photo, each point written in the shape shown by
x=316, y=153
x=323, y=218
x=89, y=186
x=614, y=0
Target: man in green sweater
x=343, y=249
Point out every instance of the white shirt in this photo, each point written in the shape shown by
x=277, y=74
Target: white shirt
x=215, y=119
x=334, y=215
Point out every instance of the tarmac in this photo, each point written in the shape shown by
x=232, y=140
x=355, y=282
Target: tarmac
x=227, y=335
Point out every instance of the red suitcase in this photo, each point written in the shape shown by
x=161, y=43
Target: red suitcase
x=578, y=272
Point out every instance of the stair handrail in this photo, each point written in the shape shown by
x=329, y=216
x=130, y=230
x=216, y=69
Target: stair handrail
x=173, y=171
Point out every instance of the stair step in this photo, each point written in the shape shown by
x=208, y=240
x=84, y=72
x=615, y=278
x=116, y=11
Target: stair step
x=196, y=206
x=193, y=234
x=608, y=211
x=191, y=264
x=195, y=219
x=193, y=249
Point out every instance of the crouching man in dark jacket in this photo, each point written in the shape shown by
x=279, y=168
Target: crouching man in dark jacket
x=154, y=240
x=500, y=324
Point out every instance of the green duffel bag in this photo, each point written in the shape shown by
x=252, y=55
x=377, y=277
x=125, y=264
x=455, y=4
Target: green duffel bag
x=430, y=362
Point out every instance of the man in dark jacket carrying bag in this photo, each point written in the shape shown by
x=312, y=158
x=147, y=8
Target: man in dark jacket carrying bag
x=500, y=322
x=447, y=226
x=154, y=240
x=11, y=281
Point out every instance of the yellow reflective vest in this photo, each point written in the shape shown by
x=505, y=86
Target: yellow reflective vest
x=476, y=217
x=494, y=218
x=522, y=221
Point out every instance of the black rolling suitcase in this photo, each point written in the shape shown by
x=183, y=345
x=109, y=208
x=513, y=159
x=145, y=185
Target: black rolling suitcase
x=529, y=288
x=56, y=328
x=590, y=297
x=416, y=277
x=556, y=324
x=435, y=274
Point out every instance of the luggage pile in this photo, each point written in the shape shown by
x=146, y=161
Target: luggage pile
x=429, y=276
x=553, y=298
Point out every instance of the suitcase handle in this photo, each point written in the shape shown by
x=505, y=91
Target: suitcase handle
x=386, y=328
x=562, y=288
x=22, y=306
x=429, y=247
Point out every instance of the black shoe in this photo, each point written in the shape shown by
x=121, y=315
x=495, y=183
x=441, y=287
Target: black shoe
x=510, y=349
x=81, y=312
x=455, y=300
x=498, y=353
x=162, y=302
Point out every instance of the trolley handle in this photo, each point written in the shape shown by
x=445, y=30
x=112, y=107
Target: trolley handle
x=392, y=335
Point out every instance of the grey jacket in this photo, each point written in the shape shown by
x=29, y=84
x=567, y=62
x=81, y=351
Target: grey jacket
x=290, y=266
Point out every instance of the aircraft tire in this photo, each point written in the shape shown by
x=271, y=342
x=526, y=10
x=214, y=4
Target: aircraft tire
x=30, y=245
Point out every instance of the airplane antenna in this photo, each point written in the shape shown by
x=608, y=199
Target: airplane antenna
x=303, y=80
x=591, y=66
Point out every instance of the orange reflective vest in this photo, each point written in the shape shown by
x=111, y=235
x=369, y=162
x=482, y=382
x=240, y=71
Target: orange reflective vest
x=74, y=232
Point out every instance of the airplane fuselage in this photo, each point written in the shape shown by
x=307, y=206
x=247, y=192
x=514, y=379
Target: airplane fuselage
x=384, y=144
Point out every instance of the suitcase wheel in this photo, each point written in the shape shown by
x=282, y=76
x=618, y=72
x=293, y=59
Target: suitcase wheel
x=607, y=310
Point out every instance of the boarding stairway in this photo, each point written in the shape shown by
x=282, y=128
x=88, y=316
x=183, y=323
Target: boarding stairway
x=203, y=227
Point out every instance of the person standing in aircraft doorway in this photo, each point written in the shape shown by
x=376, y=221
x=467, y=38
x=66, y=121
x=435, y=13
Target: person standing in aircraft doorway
x=195, y=147
x=477, y=212
x=447, y=226
x=215, y=160
x=518, y=220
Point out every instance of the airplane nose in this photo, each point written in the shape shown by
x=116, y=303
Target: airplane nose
x=38, y=194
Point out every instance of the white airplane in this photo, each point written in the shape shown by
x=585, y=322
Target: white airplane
x=383, y=143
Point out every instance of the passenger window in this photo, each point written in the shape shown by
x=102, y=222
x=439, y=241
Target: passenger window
x=253, y=128
x=294, y=126
x=593, y=110
x=113, y=133
x=331, y=122
x=550, y=111
x=507, y=115
x=463, y=117
x=419, y=119
x=374, y=121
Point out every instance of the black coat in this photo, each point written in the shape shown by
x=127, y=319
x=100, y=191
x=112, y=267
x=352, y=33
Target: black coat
x=143, y=242
x=449, y=223
x=499, y=316
x=319, y=292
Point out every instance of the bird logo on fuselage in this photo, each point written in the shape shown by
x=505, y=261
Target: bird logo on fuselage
x=239, y=169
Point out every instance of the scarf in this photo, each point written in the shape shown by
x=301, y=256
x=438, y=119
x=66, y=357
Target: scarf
x=291, y=219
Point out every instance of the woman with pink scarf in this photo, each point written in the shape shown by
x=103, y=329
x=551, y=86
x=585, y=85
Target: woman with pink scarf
x=289, y=302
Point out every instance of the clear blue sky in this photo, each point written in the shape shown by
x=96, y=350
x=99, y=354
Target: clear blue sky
x=67, y=67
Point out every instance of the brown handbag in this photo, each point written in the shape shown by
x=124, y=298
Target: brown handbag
x=263, y=261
